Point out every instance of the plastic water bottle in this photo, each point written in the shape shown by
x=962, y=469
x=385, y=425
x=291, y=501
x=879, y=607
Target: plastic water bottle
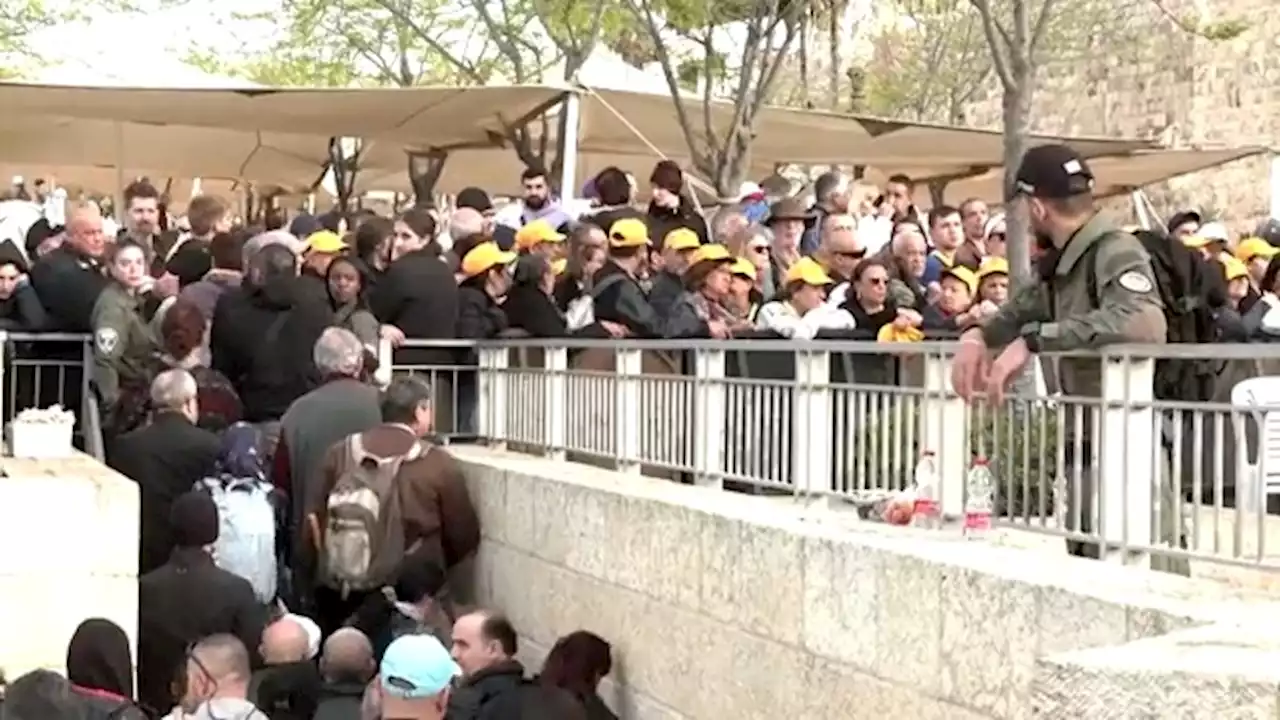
x=926, y=513
x=979, y=498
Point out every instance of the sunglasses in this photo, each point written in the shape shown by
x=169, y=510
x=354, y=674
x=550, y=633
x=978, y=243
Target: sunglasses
x=854, y=254
x=758, y=249
x=877, y=281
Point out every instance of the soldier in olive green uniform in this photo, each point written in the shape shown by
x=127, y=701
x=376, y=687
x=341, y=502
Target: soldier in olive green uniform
x=1058, y=314
x=125, y=353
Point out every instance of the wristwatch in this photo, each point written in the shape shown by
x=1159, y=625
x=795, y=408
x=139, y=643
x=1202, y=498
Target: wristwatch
x=1030, y=335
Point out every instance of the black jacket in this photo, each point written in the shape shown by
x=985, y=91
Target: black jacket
x=666, y=290
x=501, y=692
x=339, y=701
x=623, y=301
x=262, y=341
x=479, y=317
x=182, y=601
x=528, y=308
x=23, y=311
x=419, y=295
x=190, y=262
x=286, y=692
x=663, y=220
x=166, y=459
x=68, y=284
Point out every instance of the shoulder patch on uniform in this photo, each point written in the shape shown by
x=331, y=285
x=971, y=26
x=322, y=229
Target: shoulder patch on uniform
x=1136, y=282
x=106, y=340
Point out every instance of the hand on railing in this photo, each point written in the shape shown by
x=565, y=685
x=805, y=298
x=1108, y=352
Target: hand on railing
x=392, y=334
x=614, y=329
x=970, y=365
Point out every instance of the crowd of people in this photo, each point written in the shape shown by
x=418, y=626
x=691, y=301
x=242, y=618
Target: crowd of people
x=299, y=531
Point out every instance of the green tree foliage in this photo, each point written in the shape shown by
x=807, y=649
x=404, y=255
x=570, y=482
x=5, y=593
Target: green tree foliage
x=929, y=64
x=19, y=19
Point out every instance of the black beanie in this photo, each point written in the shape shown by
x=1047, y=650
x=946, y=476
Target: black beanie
x=194, y=520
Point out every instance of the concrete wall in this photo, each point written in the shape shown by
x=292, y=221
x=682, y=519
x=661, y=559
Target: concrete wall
x=721, y=605
x=70, y=552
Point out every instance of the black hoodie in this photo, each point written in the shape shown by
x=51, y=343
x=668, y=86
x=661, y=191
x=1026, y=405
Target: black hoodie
x=262, y=340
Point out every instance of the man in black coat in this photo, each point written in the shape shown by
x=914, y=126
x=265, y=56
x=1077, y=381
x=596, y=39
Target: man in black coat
x=167, y=457
x=189, y=598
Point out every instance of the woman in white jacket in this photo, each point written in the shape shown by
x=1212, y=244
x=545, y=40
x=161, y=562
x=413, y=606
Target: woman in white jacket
x=801, y=311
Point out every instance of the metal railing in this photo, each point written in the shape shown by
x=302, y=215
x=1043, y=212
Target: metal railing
x=1135, y=476
x=45, y=369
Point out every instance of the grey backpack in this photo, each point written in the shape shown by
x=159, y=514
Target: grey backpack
x=364, y=533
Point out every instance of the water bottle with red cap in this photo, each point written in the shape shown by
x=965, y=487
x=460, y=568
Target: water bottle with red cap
x=980, y=495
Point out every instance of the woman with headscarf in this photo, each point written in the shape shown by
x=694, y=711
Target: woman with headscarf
x=100, y=668
x=348, y=283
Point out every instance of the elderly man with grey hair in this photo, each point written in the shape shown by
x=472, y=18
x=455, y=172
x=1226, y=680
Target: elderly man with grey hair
x=165, y=458
x=343, y=404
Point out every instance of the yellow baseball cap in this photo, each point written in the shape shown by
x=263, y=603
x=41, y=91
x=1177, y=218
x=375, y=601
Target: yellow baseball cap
x=325, y=242
x=713, y=252
x=744, y=268
x=993, y=266
x=681, y=239
x=535, y=233
x=809, y=272
x=1252, y=247
x=1234, y=268
x=484, y=256
x=964, y=275
x=628, y=232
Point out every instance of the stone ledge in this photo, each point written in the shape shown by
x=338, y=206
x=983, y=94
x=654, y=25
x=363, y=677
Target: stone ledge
x=961, y=624
x=1220, y=671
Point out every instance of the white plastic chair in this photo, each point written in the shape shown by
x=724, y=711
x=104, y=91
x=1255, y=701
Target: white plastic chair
x=1255, y=482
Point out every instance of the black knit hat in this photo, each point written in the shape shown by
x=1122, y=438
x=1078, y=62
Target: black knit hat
x=194, y=520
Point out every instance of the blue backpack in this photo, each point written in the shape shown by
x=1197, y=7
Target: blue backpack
x=247, y=512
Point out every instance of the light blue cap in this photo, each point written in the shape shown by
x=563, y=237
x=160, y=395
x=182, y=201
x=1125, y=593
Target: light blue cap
x=417, y=666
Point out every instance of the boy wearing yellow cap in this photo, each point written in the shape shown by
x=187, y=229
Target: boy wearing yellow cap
x=954, y=308
x=801, y=311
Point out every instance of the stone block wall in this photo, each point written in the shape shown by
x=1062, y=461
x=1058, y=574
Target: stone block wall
x=1140, y=76
x=68, y=552
x=721, y=605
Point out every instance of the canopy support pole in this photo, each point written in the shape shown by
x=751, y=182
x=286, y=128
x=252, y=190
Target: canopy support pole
x=1140, y=209
x=119, y=193
x=571, y=126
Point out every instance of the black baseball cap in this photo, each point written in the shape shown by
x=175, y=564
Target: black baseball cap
x=475, y=198
x=1053, y=171
x=1183, y=218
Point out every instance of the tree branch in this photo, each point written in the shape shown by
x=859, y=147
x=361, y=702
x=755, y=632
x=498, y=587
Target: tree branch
x=995, y=36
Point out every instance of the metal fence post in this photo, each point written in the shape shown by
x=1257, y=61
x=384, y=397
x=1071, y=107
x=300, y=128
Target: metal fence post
x=709, y=417
x=555, y=424
x=628, y=366
x=944, y=431
x=1126, y=476
x=811, y=431
x=493, y=382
